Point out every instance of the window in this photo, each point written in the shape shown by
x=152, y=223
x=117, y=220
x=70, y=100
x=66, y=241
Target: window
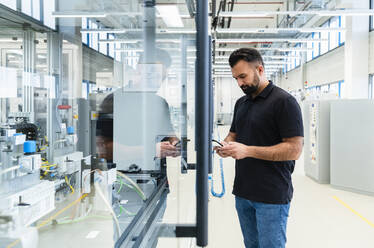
x=49, y=20
x=371, y=88
x=9, y=3
x=316, y=45
x=342, y=34
x=309, y=55
x=118, y=54
x=296, y=54
x=84, y=26
x=111, y=46
x=342, y=89
x=103, y=47
x=94, y=38
x=371, y=17
x=334, y=36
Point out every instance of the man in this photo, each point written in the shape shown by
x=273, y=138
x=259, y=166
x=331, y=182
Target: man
x=142, y=120
x=265, y=138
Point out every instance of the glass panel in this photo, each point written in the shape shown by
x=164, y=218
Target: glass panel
x=101, y=144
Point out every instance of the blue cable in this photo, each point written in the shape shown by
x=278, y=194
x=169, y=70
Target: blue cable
x=215, y=194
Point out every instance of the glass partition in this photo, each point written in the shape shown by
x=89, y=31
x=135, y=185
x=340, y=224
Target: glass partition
x=97, y=138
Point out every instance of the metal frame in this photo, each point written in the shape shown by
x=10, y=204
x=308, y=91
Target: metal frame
x=203, y=138
x=159, y=195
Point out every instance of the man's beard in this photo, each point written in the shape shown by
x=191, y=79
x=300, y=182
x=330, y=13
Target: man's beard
x=250, y=89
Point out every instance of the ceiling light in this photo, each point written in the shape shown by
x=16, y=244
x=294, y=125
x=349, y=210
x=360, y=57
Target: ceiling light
x=129, y=50
x=104, y=31
x=127, y=30
x=134, y=41
x=282, y=49
x=285, y=57
x=170, y=15
x=75, y=14
x=290, y=40
x=338, y=12
x=277, y=30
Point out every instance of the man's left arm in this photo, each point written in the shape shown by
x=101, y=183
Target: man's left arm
x=288, y=149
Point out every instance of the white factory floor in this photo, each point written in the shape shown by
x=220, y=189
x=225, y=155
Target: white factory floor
x=320, y=216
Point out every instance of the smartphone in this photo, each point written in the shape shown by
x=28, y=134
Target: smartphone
x=213, y=140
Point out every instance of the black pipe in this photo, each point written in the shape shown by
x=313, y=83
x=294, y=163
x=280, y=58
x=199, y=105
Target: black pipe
x=214, y=8
x=211, y=102
x=202, y=122
x=230, y=18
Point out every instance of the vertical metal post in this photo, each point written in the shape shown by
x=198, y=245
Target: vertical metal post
x=211, y=100
x=202, y=122
x=149, y=31
x=29, y=48
x=54, y=60
x=183, y=116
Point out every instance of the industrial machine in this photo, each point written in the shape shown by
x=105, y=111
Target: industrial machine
x=317, y=140
x=352, y=141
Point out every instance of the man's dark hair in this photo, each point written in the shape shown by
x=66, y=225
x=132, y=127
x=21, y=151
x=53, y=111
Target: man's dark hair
x=247, y=54
x=160, y=56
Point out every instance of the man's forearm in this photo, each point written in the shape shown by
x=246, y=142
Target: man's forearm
x=281, y=152
x=231, y=137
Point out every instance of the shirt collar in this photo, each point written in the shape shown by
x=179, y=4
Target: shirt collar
x=265, y=92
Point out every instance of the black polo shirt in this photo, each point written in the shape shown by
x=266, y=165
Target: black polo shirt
x=264, y=121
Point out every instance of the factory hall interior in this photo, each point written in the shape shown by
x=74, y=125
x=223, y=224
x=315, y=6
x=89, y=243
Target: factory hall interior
x=186, y=123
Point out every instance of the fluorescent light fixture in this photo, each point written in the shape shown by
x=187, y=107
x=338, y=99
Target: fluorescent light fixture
x=137, y=30
x=104, y=31
x=221, y=66
x=276, y=63
x=264, y=56
x=170, y=15
x=222, y=76
x=221, y=62
x=338, y=12
x=14, y=39
x=134, y=41
x=175, y=31
x=77, y=14
x=347, y=12
x=282, y=49
x=121, y=41
x=129, y=50
x=276, y=30
x=290, y=40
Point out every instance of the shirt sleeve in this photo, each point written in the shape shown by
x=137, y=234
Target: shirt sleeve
x=233, y=126
x=289, y=118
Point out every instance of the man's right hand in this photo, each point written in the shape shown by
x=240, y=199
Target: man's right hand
x=219, y=150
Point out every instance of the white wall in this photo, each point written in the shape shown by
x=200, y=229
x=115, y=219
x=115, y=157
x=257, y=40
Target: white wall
x=227, y=92
x=327, y=68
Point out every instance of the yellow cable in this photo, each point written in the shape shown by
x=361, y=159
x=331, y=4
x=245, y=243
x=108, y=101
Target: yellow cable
x=61, y=211
x=48, y=166
x=68, y=183
x=13, y=243
x=51, y=218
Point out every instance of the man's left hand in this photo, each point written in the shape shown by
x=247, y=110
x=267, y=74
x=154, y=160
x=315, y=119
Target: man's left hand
x=236, y=150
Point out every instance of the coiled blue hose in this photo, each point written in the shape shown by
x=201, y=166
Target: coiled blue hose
x=215, y=194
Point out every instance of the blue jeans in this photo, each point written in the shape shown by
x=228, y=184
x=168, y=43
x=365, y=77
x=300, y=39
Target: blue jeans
x=263, y=225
